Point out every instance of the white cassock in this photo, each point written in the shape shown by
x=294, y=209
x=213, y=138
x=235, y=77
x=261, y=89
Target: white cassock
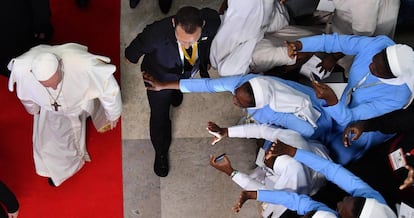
x=88, y=88
x=243, y=25
x=368, y=18
x=287, y=173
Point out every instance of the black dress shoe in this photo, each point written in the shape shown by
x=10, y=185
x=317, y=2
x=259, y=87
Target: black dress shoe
x=82, y=3
x=161, y=166
x=165, y=5
x=133, y=3
x=50, y=181
x=177, y=98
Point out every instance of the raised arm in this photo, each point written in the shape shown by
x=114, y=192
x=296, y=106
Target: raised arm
x=154, y=84
x=379, y=104
x=396, y=121
x=300, y=203
x=243, y=180
x=332, y=171
x=332, y=43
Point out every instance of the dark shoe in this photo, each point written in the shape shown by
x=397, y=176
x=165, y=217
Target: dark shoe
x=82, y=3
x=165, y=5
x=133, y=3
x=177, y=98
x=50, y=181
x=161, y=166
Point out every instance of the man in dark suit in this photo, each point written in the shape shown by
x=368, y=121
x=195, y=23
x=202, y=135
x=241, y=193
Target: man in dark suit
x=24, y=24
x=175, y=48
x=9, y=205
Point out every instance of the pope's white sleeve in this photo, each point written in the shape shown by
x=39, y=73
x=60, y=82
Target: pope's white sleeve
x=31, y=107
x=111, y=99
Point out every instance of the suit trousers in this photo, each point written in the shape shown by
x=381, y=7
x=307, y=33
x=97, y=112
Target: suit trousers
x=160, y=123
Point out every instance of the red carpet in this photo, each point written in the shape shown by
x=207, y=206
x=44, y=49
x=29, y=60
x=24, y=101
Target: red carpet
x=96, y=190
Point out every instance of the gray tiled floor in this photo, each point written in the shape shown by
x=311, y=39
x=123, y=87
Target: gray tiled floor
x=193, y=188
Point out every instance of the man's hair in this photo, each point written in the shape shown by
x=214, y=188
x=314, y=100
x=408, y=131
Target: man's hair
x=189, y=18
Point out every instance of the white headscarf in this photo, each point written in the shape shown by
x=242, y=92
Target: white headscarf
x=372, y=208
x=44, y=66
x=401, y=61
x=283, y=98
x=324, y=214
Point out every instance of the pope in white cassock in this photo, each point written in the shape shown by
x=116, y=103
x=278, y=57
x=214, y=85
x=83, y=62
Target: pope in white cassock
x=61, y=86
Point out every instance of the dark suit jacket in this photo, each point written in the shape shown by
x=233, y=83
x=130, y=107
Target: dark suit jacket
x=8, y=200
x=19, y=21
x=162, y=59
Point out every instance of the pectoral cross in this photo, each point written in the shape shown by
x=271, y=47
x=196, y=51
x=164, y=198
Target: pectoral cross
x=56, y=105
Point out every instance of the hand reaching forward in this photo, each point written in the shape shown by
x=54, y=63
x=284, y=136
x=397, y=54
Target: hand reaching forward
x=293, y=48
x=244, y=196
x=355, y=129
x=216, y=131
x=279, y=148
x=409, y=181
x=325, y=92
x=151, y=82
x=327, y=64
x=154, y=84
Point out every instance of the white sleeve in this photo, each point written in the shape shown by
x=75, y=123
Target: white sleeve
x=111, y=99
x=365, y=17
x=246, y=182
x=31, y=107
x=293, y=176
x=253, y=131
x=269, y=133
x=268, y=54
x=101, y=77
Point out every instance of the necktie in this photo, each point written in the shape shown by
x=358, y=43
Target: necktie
x=191, y=59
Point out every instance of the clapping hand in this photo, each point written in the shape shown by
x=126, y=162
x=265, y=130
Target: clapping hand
x=409, y=181
x=244, y=196
x=293, y=48
x=279, y=148
x=355, y=129
x=216, y=131
x=325, y=92
x=327, y=64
